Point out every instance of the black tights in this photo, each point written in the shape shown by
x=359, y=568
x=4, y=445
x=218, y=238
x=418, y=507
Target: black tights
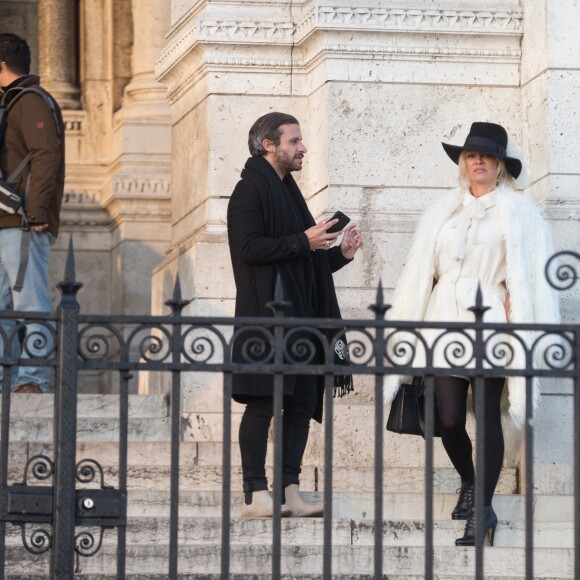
x=298, y=410
x=451, y=394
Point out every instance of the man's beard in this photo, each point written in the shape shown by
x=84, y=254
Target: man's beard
x=285, y=163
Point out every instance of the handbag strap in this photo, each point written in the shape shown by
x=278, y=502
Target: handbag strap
x=419, y=384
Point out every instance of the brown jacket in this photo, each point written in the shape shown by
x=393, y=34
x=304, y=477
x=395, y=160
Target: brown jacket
x=31, y=128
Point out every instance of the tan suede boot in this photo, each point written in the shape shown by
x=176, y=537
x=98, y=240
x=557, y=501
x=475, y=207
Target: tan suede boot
x=262, y=506
x=299, y=508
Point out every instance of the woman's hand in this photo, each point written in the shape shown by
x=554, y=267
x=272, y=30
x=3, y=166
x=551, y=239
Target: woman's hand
x=351, y=241
x=508, y=306
x=318, y=238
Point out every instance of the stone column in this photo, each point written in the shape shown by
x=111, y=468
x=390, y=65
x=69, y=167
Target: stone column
x=56, y=47
x=151, y=20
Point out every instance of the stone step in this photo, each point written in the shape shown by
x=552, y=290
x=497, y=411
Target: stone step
x=357, y=505
x=449, y=562
x=205, y=576
x=210, y=453
x=98, y=421
x=94, y=406
x=92, y=429
x=202, y=477
x=309, y=531
x=80, y=576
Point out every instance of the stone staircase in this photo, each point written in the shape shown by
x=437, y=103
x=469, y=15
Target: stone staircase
x=353, y=525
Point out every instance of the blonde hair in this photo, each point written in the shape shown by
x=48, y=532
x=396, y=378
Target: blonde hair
x=503, y=175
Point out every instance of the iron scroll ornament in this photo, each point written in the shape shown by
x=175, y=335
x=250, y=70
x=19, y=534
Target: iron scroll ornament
x=560, y=270
x=37, y=541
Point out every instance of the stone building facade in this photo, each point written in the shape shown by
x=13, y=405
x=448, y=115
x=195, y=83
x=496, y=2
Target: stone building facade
x=160, y=92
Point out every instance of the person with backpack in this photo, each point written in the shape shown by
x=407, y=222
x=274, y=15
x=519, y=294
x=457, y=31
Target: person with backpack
x=32, y=160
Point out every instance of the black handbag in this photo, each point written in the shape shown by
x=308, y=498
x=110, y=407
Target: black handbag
x=407, y=414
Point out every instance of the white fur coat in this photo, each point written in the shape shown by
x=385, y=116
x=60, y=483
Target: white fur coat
x=528, y=247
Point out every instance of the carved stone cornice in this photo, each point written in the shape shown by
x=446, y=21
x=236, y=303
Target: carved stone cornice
x=132, y=209
x=201, y=42
x=142, y=186
x=411, y=20
x=81, y=198
x=256, y=31
x=359, y=19
x=392, y=52
x=81, y=209
x=179, y=46
x=283, y=31
x=74, y=122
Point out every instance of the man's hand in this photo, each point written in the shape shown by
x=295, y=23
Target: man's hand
x=351, y=241
x=39, y=227
x=318, y=238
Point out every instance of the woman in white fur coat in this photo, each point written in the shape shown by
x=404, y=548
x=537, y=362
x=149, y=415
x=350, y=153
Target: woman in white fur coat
x=484, y=232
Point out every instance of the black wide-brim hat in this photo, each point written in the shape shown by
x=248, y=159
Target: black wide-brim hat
x=487, y=138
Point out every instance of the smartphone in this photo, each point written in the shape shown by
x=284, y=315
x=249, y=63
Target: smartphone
x=343, y=219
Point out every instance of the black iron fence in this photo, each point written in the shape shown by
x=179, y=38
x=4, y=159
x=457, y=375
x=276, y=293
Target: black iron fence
x=69, y=498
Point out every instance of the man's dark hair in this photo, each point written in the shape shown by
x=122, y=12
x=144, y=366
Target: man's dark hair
x=15, y=52
x=268, y=127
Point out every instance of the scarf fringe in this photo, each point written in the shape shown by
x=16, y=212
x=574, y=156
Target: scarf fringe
x=343, y=385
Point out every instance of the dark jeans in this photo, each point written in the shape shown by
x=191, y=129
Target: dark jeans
x=298, y=411
x=451, y=394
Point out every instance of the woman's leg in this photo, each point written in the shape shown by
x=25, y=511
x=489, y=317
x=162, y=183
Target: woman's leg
x=494, y=443
x=451, y=395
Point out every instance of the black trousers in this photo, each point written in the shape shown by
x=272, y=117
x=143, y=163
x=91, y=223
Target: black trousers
x=451, y=395
x=253, y=437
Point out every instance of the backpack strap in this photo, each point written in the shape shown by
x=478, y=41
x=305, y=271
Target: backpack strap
x=23, y=264
x=5, y=108
x=19, y=167
x=21, y=91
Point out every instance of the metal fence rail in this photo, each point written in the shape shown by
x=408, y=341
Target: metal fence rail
x=176, y=344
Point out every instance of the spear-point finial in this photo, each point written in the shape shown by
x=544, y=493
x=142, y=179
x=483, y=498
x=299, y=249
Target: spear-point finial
x=177, y=289
x=278, y=305
x=69, y=286
x=479, y=309
x=177, y=304
x=69, y=270
x=379, y=307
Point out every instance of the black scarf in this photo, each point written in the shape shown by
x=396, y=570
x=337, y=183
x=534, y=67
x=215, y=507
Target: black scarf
x=308, y=281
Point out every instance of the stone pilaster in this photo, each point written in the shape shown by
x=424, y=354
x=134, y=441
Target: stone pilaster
x=56, y=47
x=137, y=191
x=550, y=93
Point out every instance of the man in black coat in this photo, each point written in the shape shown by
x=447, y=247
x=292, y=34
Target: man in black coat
x=271, y=232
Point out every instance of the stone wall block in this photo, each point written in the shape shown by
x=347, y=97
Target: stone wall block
x=564, y=116
x=392, y=134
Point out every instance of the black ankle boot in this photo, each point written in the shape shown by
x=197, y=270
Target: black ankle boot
x=465, y=501
x=468, y=538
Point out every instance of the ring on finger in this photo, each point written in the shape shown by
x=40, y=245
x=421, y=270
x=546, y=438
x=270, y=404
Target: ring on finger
x=327, y=244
